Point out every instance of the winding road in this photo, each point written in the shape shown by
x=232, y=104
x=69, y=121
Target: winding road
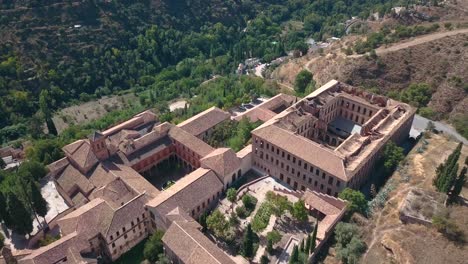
x=420, y=124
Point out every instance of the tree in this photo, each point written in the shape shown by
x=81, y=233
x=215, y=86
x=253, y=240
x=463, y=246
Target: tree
x=303, y=78
x=264, y=260
x=299, y=211
x=349, y=246
x=301, y=246
x=294, y=255
x=308, y=244
x=392, y=155
x=249, y=202
x=356, y=200
x=247, y=244
x=2, y=164
x=154, y=246
x=3, y=210
x=273, y=237
x=21, y=219
x=459, y=183
x=38, y=203
x=231, y=195
x=446, y=171
x=313, y=240
x=216, y=222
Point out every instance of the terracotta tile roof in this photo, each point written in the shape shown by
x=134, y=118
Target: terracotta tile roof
x=193, y=143
x=223, y=161
x=245, y=151
x=205, y=120
x=317, y=201
x=304, y=149
x=81, y=153
x=88, y=220
x=147, y=150
x=96, y=135
x=116, y=193
x=268, y=109
x=132, y=178
x=137, y=120
x=71, y=178
x=192, y=246
x=126, y=213
x=55, y=251
x=256, y=114
x=188, y=192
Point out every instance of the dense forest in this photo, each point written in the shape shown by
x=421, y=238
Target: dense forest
x=55, y=53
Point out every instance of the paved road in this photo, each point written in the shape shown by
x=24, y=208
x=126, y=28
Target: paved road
x=420, y=124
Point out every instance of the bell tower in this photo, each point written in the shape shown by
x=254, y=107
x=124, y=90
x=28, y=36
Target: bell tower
x=98, y=144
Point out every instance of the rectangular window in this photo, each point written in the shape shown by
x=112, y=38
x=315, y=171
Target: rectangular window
x=323, y=175
x=294, y=159
x=338, y=183
x=317, y=172
x=330, y=180
x=292, y=170
x=289, y=157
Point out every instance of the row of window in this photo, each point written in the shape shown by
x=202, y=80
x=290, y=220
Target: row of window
x=117, y=234
x=205, y=204
x=352, y=106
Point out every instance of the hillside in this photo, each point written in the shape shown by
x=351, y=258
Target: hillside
x=437, y=59
x=54, y=53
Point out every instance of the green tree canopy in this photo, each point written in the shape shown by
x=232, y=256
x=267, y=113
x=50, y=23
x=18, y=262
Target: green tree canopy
x=154, y=246
x=217, y=223
x=21, y=218
x=303, y=79
x=247, y=244
x=392, y=155
x=356, y=200
x=299, y=211
x=231, y=194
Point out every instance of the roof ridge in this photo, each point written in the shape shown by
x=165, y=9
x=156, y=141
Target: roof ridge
x=196, y=241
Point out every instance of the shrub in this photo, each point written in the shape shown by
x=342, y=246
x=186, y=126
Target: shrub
x=242, y=212
x=447, y=227
x=249, y=202
x=262, y=217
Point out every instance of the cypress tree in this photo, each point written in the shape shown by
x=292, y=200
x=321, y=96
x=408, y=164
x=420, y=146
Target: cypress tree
x=458, y=185
x=446, y=173
x=269, y=246
x=314, y=238
x=38, y=203
x=21, y=219
x=301, y=247
x=307, y=244
x=3, y=210
x=294, y=255
x=248, y=242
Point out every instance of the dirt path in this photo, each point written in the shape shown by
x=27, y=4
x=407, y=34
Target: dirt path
x=416, y=41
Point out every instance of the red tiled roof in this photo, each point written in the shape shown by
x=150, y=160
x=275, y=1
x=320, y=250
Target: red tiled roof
x=205, y=120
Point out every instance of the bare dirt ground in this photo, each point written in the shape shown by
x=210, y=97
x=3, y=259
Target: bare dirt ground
x=86, y=112
x=390, y=241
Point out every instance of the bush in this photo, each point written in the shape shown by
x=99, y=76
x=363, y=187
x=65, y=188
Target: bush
x=448, y=228
x=356, y=201
x=242, y=212
x=249, y=202
x=349, y=246
x=262, y=217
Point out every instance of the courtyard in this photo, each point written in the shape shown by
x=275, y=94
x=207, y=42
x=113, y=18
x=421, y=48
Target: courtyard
x=266, y=205
x=166, y=173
